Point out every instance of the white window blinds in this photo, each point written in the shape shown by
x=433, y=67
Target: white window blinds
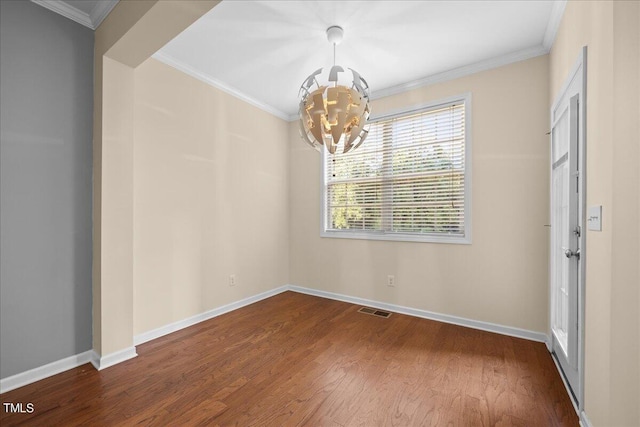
x=407, y=178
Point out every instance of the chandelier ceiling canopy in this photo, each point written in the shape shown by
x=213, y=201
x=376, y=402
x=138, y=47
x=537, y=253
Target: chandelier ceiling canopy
x=334, y=108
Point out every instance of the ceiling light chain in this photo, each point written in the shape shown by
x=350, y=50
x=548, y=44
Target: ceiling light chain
x=337, y=115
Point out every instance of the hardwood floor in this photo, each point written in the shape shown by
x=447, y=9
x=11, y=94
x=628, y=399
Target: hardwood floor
x=295, y=359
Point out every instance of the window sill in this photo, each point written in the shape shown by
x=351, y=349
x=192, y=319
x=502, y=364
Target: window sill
x=397, y=237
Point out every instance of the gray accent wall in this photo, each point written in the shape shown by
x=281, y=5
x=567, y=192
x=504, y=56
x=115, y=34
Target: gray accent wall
x=46, y=108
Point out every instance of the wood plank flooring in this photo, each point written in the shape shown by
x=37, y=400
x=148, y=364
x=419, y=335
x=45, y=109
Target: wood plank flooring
x=295, y=359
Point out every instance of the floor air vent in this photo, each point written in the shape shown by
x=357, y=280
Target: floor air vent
x=374, y=312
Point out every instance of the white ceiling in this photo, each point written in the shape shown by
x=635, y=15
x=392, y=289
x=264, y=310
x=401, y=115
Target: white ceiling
x=261, y=51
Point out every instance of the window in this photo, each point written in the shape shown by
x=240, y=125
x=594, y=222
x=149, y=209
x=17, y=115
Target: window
x=409, y=180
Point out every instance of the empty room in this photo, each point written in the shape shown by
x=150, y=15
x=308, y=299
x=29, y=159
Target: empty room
x=320, y=213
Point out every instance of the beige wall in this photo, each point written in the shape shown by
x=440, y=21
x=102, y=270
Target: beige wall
x=117, y=203
x=210, y=198
x=132, y=32
x=612, y=358
x=625, y=278
x=503, y=276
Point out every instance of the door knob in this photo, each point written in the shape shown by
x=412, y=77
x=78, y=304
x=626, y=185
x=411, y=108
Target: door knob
x=569, y=253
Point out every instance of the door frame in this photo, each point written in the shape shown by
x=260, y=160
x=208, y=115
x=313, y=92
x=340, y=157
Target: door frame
x=580, y=66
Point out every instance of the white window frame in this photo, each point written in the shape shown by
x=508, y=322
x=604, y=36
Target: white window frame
x=410, y=237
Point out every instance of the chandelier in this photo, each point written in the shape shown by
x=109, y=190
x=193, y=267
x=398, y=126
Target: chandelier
x=333, y=113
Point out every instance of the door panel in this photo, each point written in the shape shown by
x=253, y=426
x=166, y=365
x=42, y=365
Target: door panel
x=565, y=236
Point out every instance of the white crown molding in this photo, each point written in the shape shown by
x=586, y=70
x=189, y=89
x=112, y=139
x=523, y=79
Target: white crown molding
x=459, y=72
x=45, y=371
x=92, y=20
x=181, y=66
x=445, y=318
x=554, y=23
x=102, y=362
x=181, y=324
x=67, y=11
x=101, y=10
x=456, y=73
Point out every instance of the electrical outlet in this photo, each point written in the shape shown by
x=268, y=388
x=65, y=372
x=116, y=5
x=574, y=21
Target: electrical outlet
x=232, y=280
x=391, y=281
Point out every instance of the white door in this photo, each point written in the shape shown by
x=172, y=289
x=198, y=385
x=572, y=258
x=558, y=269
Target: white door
x=567, y=240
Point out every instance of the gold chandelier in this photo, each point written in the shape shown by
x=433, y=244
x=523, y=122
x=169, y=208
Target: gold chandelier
x=332, y=114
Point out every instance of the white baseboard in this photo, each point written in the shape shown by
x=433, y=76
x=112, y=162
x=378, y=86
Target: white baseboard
x=102, y=362
x=566, y=384
x=460, y=321
x=181, y=324
x=584, y=421
x=45, y=371
x=475, y=324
